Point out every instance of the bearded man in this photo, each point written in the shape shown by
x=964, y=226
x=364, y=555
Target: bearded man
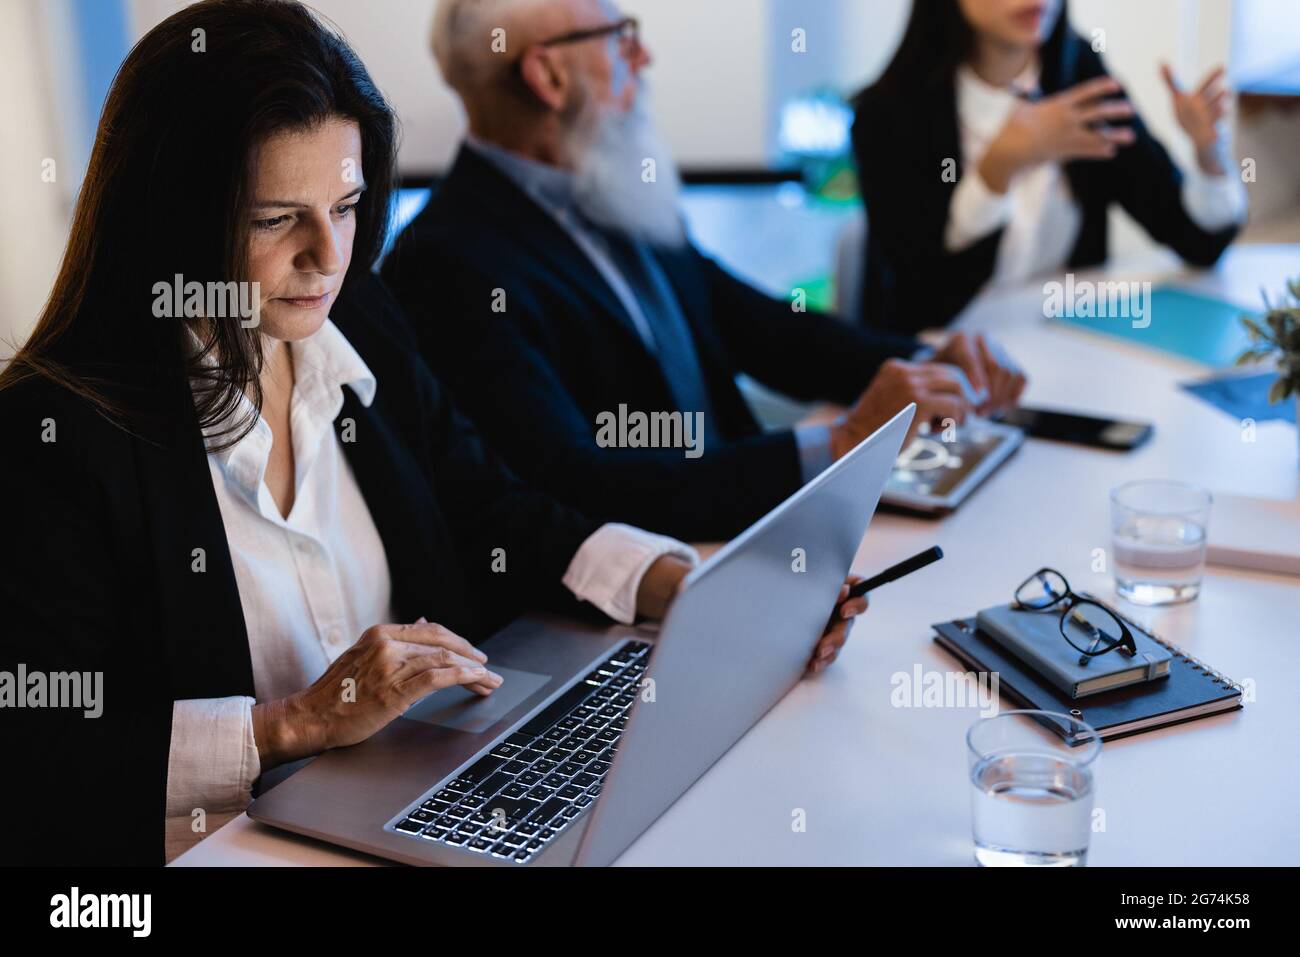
x=553, y=288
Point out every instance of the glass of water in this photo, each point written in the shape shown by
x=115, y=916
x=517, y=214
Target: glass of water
x=1158, y=540
x=1032, y=789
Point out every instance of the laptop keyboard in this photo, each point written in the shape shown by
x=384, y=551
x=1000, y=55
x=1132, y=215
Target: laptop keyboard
x=536, y=781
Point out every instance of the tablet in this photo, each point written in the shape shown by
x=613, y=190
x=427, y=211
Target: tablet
x=934, y=477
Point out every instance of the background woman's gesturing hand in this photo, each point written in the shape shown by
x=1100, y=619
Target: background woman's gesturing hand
x=1069, y=125
x=1198, y=112
x=388, y=669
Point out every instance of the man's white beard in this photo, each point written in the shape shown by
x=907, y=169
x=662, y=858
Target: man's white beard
x=610, y=185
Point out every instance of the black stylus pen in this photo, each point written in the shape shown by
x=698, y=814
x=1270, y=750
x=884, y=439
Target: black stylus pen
x=897, y=571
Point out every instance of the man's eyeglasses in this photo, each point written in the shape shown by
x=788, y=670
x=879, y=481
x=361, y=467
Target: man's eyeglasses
x=627, y=29
x=1090, y=627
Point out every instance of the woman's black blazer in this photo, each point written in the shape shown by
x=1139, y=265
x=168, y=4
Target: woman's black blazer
x=901, y=140
x=101, y=572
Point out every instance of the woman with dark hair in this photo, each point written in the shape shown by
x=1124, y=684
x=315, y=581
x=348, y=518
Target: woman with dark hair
x=992, y=148
x=227, y=467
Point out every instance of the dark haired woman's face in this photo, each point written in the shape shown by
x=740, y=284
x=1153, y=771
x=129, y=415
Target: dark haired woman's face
x=1019, y=23
x=305, y=187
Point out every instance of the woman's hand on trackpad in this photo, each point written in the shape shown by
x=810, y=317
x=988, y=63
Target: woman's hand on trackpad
x=376, y=680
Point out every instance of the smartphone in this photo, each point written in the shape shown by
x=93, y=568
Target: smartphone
x=1080, y=429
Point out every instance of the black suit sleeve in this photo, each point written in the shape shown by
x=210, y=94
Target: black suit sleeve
x=907, y=200
x=487, y=507
x=67, y=585
x=499, y=374
x=808, y=356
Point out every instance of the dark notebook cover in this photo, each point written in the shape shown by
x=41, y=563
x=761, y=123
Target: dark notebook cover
x=1191, y=691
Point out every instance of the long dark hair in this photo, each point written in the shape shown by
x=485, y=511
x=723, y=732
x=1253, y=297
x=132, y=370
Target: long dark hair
x=168, y=192
x=938, y=39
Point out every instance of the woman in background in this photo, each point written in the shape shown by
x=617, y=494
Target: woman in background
x=229, y=527
x=992, y=148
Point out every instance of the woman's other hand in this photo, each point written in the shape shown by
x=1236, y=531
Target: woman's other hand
x=1198, y=112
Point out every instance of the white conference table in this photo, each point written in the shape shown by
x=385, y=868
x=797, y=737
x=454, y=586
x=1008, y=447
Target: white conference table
x=885, y=785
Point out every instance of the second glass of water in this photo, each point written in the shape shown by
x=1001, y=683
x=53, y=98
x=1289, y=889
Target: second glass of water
x=1158, y=540
x=1031, y=789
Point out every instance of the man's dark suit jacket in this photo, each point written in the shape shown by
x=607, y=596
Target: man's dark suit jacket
x=901, y=141
x=535, y=376
x=98, y=570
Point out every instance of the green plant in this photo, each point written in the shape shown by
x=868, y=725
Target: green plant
x=1278, y=335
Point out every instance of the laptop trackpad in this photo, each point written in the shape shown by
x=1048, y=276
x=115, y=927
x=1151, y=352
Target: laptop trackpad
x=459, y=708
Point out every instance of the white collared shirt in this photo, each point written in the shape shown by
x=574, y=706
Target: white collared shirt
x=312, y=582
x=1041, y=215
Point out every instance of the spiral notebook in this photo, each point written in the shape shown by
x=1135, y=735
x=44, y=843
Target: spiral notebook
x=1192, y=690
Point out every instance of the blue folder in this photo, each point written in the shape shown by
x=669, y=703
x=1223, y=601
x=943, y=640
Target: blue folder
x=1243, y=396
x=1186, y=324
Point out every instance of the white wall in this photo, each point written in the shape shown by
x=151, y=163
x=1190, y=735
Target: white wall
x=1258, y=46
x=391, y=37
x=709, y=82
x=869, y=33
x=35, y=211
x=718, y=62
x=710, y=76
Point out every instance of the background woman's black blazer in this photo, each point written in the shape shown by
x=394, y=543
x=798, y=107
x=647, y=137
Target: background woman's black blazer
x=901, y=140
x=98, y=572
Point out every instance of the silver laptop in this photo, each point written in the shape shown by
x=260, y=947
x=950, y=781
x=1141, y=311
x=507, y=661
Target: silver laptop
x=595, y=732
